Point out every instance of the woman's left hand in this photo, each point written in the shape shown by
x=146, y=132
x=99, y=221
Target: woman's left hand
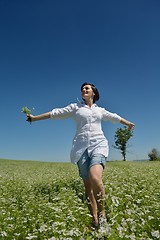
x=131, y=126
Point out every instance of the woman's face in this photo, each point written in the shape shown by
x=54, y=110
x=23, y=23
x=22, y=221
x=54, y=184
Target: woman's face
x=87, y=92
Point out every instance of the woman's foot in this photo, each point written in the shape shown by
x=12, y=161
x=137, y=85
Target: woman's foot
x=94, y=225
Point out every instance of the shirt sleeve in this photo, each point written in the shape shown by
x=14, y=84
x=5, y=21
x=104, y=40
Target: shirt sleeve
x=108, y=116
x=65, y=112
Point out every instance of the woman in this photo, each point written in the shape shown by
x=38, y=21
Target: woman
x=90, y=147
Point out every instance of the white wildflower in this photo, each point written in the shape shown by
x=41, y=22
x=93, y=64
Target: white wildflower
x=132, y=236
x=43, y=228
x=120, y=229
x=31, y=237
x=3, y=234
x=155, y=234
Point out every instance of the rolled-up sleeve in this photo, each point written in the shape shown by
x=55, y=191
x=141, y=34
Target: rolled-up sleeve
x=65, y=112
x=108, y=116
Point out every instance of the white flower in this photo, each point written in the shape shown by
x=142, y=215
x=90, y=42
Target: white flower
x=31, y=237
x=42, y=228
x=3, y=234
x=155, y=234
x=120, y=229
x=132, y=236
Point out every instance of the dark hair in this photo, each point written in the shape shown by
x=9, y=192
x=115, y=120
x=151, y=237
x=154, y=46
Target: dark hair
x=95, y=90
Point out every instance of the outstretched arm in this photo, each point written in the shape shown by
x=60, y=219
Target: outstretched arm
x=127, y=123
x=32, y=118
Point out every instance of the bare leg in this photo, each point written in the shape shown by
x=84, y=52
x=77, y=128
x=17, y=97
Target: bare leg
x=92, y=204
x=95, y=176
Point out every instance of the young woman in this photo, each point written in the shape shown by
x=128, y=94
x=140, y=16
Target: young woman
x=90, y=147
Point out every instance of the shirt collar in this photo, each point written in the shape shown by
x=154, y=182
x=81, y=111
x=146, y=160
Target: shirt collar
x=82, y=103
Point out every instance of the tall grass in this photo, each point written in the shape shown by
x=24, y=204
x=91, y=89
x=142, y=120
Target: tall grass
x=46, y=201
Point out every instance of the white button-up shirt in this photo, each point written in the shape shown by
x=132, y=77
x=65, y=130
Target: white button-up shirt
x=89, y=134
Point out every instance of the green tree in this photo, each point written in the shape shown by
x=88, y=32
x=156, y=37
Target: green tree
x=122, y=135
x=154, y=155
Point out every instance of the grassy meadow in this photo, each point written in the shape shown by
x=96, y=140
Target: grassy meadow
x=46, y=201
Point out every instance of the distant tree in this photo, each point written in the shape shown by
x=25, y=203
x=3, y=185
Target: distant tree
x=154, y=155
x=122, y=135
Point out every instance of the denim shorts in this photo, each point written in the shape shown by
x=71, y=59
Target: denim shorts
x=86, y=162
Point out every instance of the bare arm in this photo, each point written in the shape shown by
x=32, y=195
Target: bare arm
x=127, y=123
x=32, y=118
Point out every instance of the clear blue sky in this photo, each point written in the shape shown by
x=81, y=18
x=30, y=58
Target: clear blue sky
x=49, y=48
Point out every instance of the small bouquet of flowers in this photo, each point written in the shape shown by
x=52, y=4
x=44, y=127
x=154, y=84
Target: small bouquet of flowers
x=27, y=111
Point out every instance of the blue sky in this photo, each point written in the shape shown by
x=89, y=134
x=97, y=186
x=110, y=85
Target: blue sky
x=49, y=48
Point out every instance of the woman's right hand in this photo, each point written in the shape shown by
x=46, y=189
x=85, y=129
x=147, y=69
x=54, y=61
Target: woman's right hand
x=29, y=118
x=32, y=118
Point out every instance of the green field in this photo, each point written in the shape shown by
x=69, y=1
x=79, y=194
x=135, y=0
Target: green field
x=41, y=200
